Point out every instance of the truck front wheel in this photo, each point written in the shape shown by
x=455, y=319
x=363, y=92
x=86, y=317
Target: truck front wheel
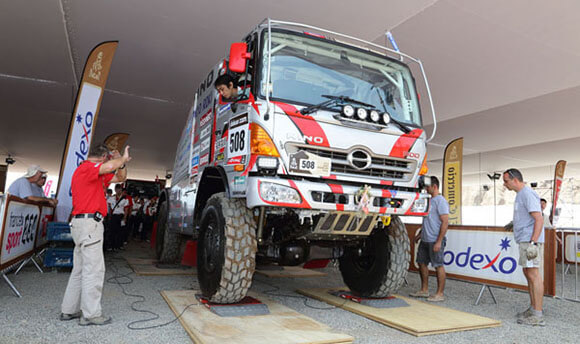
x=226, y=253
x=378, y=267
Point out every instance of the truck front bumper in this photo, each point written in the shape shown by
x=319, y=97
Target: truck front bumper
x=324, y=196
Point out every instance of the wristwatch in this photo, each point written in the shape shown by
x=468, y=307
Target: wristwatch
x=122, y=167
x=533, y=243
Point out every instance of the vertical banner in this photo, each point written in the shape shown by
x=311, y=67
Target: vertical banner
x=452, y=172
x=558, y=178
x=83, y=121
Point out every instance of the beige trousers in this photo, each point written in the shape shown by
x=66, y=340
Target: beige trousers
x=85, y=285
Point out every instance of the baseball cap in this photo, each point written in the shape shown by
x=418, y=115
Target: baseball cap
x=32, y=170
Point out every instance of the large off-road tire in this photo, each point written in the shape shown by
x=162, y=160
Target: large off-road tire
x=226, y=251
x=167, y=243
x=381, y=266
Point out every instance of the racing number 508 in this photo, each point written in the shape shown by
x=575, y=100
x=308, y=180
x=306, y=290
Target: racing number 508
x=237, y=141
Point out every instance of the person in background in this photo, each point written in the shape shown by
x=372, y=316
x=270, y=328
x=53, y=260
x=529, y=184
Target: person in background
x=546, y=217
x=125, y=225
x=82, y=298
x=26, y=187
x=433, y=242
x=136, y=218
x=37, y=188
x=118, y=219
x=150, y=212
x=529, y=234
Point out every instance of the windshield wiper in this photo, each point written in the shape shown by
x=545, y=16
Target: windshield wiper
x=310, y=109
x=332, y=101
x=346, y=99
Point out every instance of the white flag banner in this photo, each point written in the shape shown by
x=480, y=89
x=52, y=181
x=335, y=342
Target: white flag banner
x=83, y=122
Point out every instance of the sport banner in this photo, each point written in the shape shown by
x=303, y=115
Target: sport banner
x=452, y=172
x=83, y=121
x=558, y=178
x=18, y=232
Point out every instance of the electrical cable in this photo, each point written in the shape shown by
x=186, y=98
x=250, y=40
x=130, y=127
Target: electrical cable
x=117, y=279
x=274, y=292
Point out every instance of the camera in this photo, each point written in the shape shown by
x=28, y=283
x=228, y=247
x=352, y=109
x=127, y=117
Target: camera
x=9, y=160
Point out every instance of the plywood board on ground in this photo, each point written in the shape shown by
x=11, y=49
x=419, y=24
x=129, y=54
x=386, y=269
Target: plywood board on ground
x=419, y=319
x=288, y=271
x=140, y=261
x=282, y=325
x=143, y=267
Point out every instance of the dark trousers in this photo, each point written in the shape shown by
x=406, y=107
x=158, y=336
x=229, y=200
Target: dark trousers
x=134, y=224
x=147, y=225
x=116, y=231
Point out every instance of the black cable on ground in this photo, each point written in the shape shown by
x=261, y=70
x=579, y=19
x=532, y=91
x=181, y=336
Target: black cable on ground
x=116, y=279
x=274, y=292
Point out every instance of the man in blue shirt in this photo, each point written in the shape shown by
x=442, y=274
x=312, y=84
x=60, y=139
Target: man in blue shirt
x=529, y=234
x=433, y=242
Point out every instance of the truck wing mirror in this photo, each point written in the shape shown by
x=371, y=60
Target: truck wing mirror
x=238, y=56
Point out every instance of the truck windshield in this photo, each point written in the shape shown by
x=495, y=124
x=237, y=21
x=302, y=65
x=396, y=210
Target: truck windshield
x=303, y=68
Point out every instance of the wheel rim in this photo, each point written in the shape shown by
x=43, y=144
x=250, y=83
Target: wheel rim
x=366, y=260
x=211, y=240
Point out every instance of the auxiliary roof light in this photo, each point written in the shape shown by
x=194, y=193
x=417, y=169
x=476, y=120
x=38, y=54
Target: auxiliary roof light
x=348, y=110
x=375, y=117
x=361, y=113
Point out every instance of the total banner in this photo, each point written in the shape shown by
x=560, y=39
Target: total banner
x=451, y=184
x=19, y=229
x=83, y=121
x=46, y=216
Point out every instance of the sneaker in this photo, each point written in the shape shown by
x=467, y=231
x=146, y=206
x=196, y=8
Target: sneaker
x=102, y=320
x=525, y=314
x=66, y=317
x=532, y=320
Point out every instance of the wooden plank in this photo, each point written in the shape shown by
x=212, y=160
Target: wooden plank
x=140, y=261
x=282, y=325
x=419, y=319
x=149, y=269
x=288, y=271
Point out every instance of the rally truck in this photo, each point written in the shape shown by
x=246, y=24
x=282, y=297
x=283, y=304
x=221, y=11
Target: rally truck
x=317, y=157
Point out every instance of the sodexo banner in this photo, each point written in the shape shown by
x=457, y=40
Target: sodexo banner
x=83, y=122
x=486, y=255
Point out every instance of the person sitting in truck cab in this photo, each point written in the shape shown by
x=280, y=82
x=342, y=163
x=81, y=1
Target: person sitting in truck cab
x=227, y=87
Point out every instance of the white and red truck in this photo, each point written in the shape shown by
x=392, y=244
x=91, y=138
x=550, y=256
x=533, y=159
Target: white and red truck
x=317, y=157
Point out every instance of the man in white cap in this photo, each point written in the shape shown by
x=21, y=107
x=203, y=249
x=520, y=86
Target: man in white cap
x=26, y=186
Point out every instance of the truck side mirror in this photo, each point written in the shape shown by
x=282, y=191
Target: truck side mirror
x=238, y=56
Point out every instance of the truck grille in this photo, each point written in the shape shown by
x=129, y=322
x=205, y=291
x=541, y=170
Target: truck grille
x=380, y=167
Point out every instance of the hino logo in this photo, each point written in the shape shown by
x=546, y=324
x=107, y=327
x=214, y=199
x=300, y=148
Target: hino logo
x=359, y=159
x=315, y=139
x=299, y=138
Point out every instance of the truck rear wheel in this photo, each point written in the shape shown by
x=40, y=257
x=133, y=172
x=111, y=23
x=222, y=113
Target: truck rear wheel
x=226, y=253
x=167, y=243
x=378, y=267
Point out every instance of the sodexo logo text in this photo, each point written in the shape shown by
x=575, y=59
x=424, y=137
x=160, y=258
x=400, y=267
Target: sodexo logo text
x=82, y=150
x=469, y=259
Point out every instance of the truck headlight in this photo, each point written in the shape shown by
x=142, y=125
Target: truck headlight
x=375, y=117
x=420, y=205
x=361, y=113
x=279, y=193
x=267, y=163
x=348, y=110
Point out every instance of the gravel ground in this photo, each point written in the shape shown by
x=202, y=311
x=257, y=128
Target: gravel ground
x=34, y=317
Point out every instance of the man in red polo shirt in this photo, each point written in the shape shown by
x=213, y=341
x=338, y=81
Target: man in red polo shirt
x=82, y=298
